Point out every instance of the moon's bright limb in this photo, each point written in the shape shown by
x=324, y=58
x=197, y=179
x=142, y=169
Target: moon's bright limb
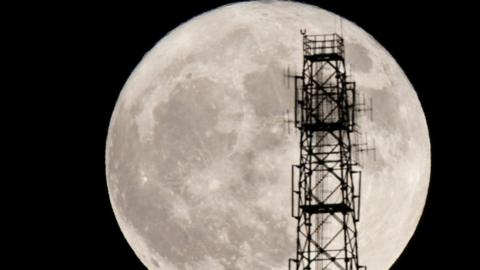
x=198, y=162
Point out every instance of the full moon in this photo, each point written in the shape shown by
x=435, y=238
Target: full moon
x=198, y=156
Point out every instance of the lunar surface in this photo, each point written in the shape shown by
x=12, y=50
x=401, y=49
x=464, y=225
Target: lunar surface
x=198, y=157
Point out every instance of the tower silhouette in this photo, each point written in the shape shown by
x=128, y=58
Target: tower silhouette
x=326, y=183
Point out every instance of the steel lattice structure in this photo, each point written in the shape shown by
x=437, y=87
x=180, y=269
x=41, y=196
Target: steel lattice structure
x=326, y=183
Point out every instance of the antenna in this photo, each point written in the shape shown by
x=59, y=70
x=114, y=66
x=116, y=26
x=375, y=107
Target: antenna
x=287, y=75
x=287, y=121
x=341, y=25
x=371, y=110
x=365, y=106
x=335, y=23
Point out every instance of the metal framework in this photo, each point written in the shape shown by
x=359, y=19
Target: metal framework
x=326, y=183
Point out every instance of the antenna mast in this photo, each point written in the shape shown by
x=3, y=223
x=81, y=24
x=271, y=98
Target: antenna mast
x=326, y=183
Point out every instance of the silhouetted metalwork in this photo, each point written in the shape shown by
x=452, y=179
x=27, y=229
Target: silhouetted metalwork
x=326, y=184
